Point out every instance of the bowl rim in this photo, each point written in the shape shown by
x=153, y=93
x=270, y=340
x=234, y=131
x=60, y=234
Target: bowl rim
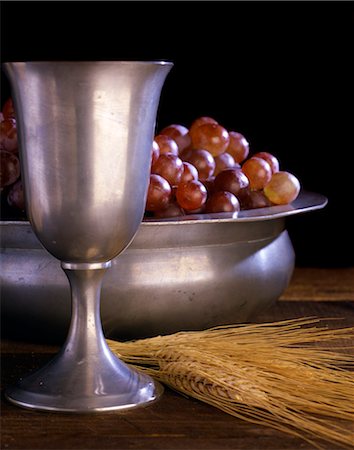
x=307, y=201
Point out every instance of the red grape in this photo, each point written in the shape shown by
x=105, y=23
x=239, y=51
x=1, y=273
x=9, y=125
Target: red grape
x=9, y=168
x=179, y=133
x=166, y=144
x=212, y=137
x=204, y=163
x=200, y=210
x=155, y=152
x=191, y=195
x=186, y=153
x=271, y=160
x=238, y=147
x=232, y=180
x=283, y=188
x=210, y=185
x=222, y=162
x=8, y=135
x=170, y=167
x=8, y=110
x=159, y=193
x=222, y=201
x=172, y=210
x=200, y=121
x=255, y=199
x=16, y=196
x=190, y=172
x=258, y=171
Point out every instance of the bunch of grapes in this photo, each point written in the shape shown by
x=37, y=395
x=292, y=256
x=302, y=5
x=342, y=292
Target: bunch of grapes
x=208, y=169
x=201, y=169
x=10, y=175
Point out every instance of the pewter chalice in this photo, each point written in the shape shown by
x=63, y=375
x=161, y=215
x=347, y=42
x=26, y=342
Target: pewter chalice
x=85, y=132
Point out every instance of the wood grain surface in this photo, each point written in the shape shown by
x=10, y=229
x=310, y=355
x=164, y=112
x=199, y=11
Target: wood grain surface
x=321, y=284
x=174, y=422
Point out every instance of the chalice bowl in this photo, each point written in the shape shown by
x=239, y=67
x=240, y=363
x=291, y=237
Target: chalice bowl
x=85, y=133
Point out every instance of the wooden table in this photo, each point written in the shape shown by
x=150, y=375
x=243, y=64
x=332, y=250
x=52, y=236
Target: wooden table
x=175, y=422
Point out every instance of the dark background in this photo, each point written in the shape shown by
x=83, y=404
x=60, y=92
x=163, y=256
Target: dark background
x=280, y=73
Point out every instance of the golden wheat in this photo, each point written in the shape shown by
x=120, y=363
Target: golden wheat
x=277, y=374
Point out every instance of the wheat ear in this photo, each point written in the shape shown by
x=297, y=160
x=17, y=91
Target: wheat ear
x=277, y=374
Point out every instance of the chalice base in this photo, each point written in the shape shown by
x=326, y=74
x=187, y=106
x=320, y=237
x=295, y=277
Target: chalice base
x=69, y=385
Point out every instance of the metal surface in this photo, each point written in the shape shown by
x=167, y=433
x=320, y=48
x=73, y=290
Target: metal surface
x=176, y=275
x=306, y=201
x=87, y=142
x=85, y=133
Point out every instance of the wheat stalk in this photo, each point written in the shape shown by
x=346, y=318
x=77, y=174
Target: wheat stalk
x=278, y=374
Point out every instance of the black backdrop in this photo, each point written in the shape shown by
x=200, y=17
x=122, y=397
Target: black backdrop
x=279, y=72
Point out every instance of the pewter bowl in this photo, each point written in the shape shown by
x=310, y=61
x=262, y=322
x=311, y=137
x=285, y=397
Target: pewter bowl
x=188, y=273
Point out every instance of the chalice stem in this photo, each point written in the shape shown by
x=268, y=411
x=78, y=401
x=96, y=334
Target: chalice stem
x=85, y=339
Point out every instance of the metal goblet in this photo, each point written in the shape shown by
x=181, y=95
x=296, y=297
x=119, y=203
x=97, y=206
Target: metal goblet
x=85, y=133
